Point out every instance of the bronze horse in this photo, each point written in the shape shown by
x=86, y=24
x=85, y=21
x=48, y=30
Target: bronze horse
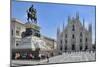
x=31, y=15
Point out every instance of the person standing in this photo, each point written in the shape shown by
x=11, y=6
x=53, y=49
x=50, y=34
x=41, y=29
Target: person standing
x=47, y=58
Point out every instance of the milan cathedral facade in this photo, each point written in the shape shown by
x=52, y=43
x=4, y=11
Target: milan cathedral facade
x=74, y=36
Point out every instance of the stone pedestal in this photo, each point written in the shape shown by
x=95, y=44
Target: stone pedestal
x=30, y=40
x=31, y=29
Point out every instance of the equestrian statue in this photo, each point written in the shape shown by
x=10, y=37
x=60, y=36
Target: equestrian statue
x=31, y=14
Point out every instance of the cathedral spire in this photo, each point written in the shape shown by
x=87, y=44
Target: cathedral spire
x=83, y=22
x=77, y=15
x=90, y=28
x=58, y=39
x=63, y=25
x=58, y=32
x=68, y=18
x=63, y=37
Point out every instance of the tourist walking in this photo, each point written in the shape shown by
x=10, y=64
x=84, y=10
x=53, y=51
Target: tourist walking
x=47, y=58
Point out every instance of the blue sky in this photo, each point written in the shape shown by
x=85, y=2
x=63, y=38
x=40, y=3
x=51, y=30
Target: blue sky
x=50, y=15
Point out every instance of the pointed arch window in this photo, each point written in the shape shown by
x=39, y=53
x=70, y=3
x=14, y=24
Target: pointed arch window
x=81, y=34
x=60, y=47
x=73, y=46
x=61, y=41
x=66, y=41
x=73, y=36
x=80, y=40
x=80, y=47
x=73, y=27
x=86, y=39
x=65, y=47
x=12, y=32
x=86, y=47
x=66, y=35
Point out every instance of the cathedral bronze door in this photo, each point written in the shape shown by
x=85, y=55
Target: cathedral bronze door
x=80, y=46
x=73, y=46
x=86, y=47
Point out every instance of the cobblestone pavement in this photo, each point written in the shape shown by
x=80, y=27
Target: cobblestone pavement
x=28, y=62
x=65, y=57
x=73, y=57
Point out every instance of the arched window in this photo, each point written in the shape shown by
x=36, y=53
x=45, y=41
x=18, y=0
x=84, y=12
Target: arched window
x=94, y=47
x=61, y=41
x=86, y=47
x=80, y=47
x=65, y=47
x=60, y=47
x=66, y=35
x=73, y=46
x=86, y=39
x=17, y=44
x=73, y=28
x=81, y=34
x=73, y=36
x=12, y=32
x=80, y=40
x=65, y=41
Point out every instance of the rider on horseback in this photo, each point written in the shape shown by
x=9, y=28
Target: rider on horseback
x=31, y=14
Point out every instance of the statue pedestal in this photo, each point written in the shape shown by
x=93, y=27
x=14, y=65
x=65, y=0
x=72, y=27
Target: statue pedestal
x=32, y=41
x=31, y=29
x=36, y=45
x=32, y=25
